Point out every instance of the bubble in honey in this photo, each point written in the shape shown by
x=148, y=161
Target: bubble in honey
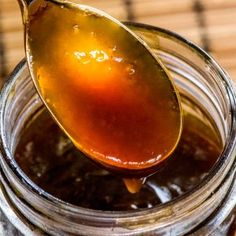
x=76, y=28
x=82, y=57
x=93, y=34
x=118, y=59
x=130, y=69
x=99, y=55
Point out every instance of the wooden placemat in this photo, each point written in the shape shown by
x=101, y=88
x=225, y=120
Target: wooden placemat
x=209, y=23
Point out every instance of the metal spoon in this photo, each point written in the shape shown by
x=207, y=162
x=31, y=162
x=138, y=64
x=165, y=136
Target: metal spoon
x=103, y=85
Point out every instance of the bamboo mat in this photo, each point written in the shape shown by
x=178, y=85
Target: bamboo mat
x=209, y=23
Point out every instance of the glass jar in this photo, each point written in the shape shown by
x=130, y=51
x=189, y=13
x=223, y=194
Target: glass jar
x=205, y=210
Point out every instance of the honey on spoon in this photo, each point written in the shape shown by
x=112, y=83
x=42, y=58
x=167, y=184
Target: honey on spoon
x=103, y=86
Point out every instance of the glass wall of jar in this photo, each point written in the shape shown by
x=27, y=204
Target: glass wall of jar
x=202, y=211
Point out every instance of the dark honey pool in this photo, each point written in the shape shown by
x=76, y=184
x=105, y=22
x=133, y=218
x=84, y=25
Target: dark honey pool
x=51, y=161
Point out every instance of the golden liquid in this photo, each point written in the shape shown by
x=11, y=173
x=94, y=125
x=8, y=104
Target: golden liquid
x=114, y=101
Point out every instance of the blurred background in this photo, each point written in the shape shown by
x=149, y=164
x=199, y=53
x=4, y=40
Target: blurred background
x=211, y=24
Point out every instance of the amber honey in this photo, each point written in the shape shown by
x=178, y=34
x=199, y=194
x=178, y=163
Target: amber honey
x=49, y=159
x=115, y=102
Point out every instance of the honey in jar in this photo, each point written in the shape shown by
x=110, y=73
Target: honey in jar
x=49, y=159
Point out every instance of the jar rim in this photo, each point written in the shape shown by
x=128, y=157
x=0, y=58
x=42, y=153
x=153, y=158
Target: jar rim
x=221, y=162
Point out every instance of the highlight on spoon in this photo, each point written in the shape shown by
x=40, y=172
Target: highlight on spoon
x=107, y=91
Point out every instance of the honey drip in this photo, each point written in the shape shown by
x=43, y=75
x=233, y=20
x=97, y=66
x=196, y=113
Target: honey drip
x=133, y=185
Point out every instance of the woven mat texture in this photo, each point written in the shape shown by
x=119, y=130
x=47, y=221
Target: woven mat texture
x=210, y=24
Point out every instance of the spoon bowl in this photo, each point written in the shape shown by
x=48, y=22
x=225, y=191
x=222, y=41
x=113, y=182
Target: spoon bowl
x=103, y=86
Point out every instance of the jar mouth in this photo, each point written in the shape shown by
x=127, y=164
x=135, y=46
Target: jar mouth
x=221, y=163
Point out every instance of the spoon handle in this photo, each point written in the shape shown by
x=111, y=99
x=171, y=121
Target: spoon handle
x=23, y=3
x=24, y=8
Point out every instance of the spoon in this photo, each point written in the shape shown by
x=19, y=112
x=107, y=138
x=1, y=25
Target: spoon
x=103, y=86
